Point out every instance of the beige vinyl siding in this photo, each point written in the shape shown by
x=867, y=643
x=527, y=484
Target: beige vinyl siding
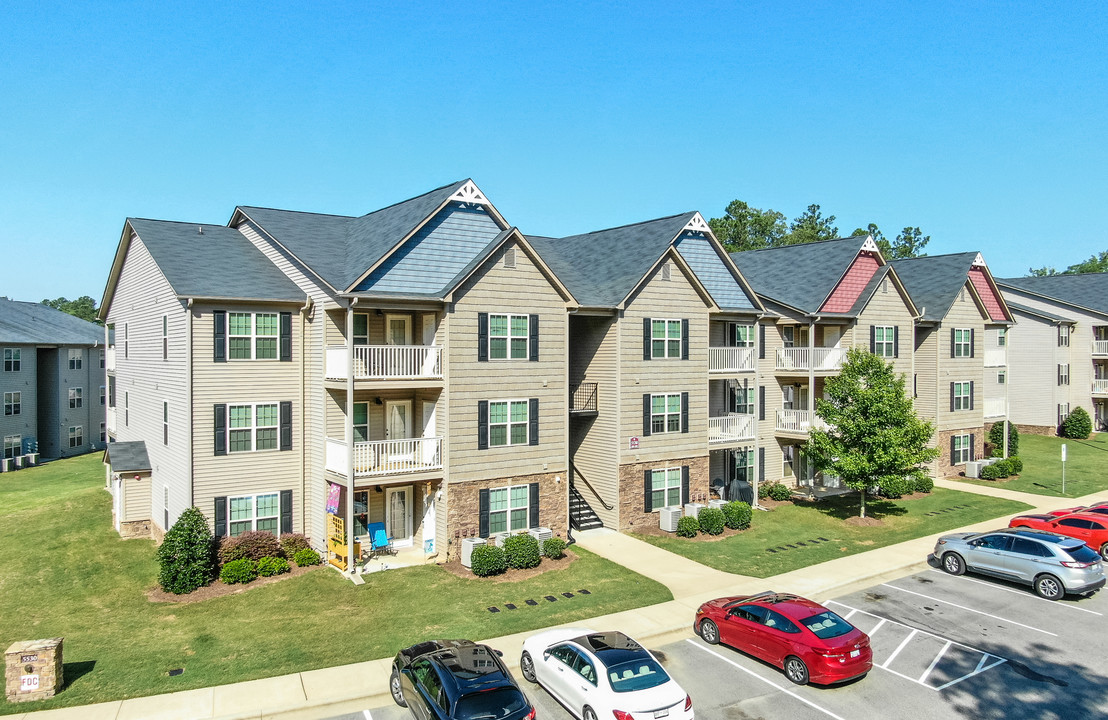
x=136, y=498
x=142, y=296
x=594, y=443
x=520, y=290
x=927, y=363
x=773, y=395
x=888, y=308
x=671, y=299
x=964, y=313
x=1033, y=360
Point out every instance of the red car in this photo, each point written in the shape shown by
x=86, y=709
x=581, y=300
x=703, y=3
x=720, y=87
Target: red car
x=805, y=639
x=1090, y=528
x=1100, y=508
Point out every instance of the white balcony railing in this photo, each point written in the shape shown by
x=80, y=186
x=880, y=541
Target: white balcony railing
x=731, y=427
x=109, y=359
x=380, y=362
x=798, y=421
x=730, y=359
x=994, y=407
x=1100, y=386
x=386, y=457
x=996, y=357
x=1100, y=347
x=802, y=358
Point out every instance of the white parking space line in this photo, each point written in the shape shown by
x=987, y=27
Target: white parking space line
x=899, y=647
x=923, y=678
x=1022, y=593
x=981, y=667
x=875, y=627
x=825, y=711
x=969, y=609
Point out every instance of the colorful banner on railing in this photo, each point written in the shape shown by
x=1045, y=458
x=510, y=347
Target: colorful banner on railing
x=333, y=493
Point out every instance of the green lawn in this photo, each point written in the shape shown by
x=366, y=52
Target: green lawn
x=747, y=553
x=1086, y=462
x=66, y=573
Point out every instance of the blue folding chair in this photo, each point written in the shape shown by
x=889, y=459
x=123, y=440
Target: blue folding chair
x=379, y=541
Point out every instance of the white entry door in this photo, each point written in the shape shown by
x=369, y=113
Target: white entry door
x=398, y=419
x=429, y=431
x=398, y=515
x=398, y=329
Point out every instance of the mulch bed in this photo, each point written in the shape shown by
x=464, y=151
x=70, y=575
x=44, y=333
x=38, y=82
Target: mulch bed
x=512, y=574
x=219, y=589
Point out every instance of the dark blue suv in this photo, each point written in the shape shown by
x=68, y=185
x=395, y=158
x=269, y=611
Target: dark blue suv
x=456, y=679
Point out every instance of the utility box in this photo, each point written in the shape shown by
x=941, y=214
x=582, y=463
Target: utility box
x=33, y=670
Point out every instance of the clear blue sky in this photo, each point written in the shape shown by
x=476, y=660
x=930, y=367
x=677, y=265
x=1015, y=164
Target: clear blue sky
x=984, y=123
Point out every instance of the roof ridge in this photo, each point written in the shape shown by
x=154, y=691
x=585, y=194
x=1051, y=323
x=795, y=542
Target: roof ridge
x=416, y=197
x=932, y=257
x=298, y=212
x=180, y=222
x=625, y=225
x=805, y=244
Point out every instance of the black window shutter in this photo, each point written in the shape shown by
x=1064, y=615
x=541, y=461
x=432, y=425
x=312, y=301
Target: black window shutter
x=221, y=516
x=646, y=338
x=648, y=492
x=483, y=513
x=873, y=338
x=533, y=497
x=220, y=426
x=972, y=443
x=684, y=412
x=951, y=397
x=286, y=337
x=896, y=341
x=111, y=391
x=286, y=425
x=730, y=398
x=953, y=458
x=952, y=342
x=729, y=335
x=533, y=328
x=533, y=421
x=728, y=465
x=482, y=425
x=219, y=318
x=971, y=343
x=761, y=341
x=684, y=339
x=646, y=415
x=971, y=395
x=684, y=484
x=286, y=511
x=482, y=337
x=761, y=464
x=761, y=402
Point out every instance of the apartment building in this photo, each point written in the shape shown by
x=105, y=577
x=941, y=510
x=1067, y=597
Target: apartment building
x=961, y=342
x=1059, y=351
x=51, y=383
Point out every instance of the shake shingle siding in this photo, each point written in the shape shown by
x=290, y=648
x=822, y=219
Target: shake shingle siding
x=713, y=274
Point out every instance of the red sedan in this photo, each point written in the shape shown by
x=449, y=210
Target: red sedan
x=805, y=639
x=1090, y=528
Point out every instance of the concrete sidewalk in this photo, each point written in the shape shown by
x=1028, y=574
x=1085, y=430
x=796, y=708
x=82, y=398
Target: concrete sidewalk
x=358, y=686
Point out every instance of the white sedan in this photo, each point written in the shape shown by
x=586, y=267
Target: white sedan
x=603, y=675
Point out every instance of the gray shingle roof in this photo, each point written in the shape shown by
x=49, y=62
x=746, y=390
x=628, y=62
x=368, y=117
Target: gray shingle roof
x=127, y=456
x=934, y=281
x=1088, y=290
x=799, y=276
x=1028, y=310
x=218, y=263
x=341, y=248
x=28, y=323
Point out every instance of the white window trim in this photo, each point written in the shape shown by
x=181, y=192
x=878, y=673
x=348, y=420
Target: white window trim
x=103, y=432
x=739, y=332
x=1063, y=374
x=13, y=359
x=254, y=512
x=165, y=423
x=1001, y=377
x=526, y=337
x=667, y=474
x=13, y=445
x=254, y=336
x=76, y=432
x=508, y=423
x=13, y=403
x=165, y=336
x=962, y=453
x=1002, y=337
x=75, y=359
x=666, y=339
x=665, y=414
x=962, y=402
x=963, y=348
x=254, y=427
x=507, y=511
x=103, y=394
x=76, y=398
x=1063, y=336
x=888, y=333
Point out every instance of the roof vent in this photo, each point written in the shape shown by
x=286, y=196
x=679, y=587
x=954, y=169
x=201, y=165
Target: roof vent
x=510, y=258
x=199, y=229
x=665, y=271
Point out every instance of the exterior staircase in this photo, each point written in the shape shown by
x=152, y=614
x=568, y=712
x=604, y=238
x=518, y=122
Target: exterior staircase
x=581, y=514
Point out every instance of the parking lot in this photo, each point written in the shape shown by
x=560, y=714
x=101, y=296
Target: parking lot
x=943, y=647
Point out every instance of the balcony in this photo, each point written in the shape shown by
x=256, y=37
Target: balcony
x=1100, y=347
x=994, y=407
x=818, y=359
x=799, y=422
x=1100, y=386
x=732, y=427
x=386, y=362
x=386, y=457
x=996, y=357
x=731, y=359
x=582, y=399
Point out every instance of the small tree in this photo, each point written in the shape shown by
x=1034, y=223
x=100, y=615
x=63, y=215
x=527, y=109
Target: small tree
x=1077, y=425
x=185, y=554
x=875, y=438
x=996, y=439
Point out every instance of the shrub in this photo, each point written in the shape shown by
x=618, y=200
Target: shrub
x=763, y=490
x=897, y=487
x=688, y=527
x=779, y=491
x=923, y=484
x=229, y=549
x=1016, y=463
x=488, y=560
x=711, y=521
x=736, y=515
x=185, y=555
x=554, y=548
x=1077, y=425
x=306, y=557
x=257, y=544
x=522, y=551
x=996, y=438
x=990, y=472
x=269, y=566
x=242, y=570
x=292, y=543
x=1003, y=468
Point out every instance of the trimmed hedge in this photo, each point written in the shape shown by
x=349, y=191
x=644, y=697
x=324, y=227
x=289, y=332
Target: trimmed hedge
x=252, y=545
x=292, y=543
x=185, y=555
x=1077, y=425
x=996, y=439
x=990, y=472
x=688, y=527
x=306, y=557
x=488, y=560
x=242, y=570
x=270, y=566
x=737, y=515
x=554, y=548
x=522, y=551
x=897, y=487
x=1003, y=468
x=923, y=484
x=711, y=521
x=1016, y=463
x=779, y=492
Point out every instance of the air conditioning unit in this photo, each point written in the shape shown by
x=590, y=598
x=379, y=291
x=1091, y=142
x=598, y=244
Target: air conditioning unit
x=5, y=464
x=693, y=509
x=32, y=459
x=989, y=461
x=499, y=538
x=717, y=504
x=541, y=534
x=668, y=517
x=467, y=549
x=973, y=469
x=17, y=461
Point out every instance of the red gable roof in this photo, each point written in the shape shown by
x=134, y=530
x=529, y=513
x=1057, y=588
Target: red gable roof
x=988, y=294
x=847, y=292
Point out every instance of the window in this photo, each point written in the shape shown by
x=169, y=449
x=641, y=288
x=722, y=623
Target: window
x=1063, y=336
x=75, y=400
x=963, y=342
x=788, y=336
x=665, y=413
x=252, y=336
x=744, y=465
x=103, y=394
x=126, y=408
x=1001, y=377
x=12, y=446
x=665, y=339
x=126, y=338
x=76, y=436
x=252, y=427
x=361, y=422
x=963, y=395
x=744, y=335
x=165, y=423
x=508, y=423
x=665, y=487
x=254, y=512
x=1001, y=337
x=361, y=329
x=509, y=509
x=742, y=399
x=963, y=451
x=103, y=433
x=883, y=341
x=1023, y=546
x=508, y=337
x=101, y=359
x=74, y=359
x=111, y=391
x=165, y=337
x=1064, y=374
x=111, y=335
x=1063, y=412
x=11, y=359
x=13, y=404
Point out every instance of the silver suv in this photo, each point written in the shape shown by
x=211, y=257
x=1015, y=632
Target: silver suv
x=1052, y=564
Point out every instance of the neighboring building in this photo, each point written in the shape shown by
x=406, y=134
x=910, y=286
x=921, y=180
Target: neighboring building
x=961, y=352
x=1059, y=353
x=51, y=383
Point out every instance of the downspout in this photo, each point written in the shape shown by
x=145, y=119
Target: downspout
x=188, y=405
x=349, y=523
x=303, y=419
x=811, y=392
x=755, y=331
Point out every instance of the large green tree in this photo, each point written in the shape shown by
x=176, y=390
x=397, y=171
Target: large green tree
x=811, y=226
x=1096, y=264
x=908, y=244
x=874, y=437
x=743, y=227
x=83, y=307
